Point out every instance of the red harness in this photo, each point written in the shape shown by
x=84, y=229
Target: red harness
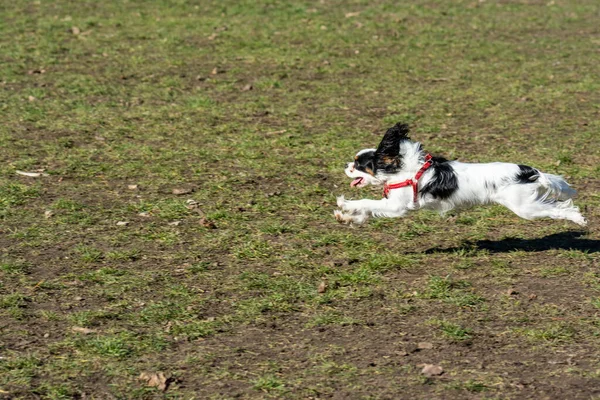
x=414, y=182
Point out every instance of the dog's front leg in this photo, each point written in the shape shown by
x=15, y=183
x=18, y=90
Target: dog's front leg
x=358, y=211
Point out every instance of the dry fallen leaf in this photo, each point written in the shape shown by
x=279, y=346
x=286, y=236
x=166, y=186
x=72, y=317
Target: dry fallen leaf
x=214, y=71
x=132, y=187
x=191, y=204
x=122, y=223
x=48, y=213
x=85, y=331
x=247, y=88
x=75, y=30
x=213, y=36
x=207, y=223
x=430, y=370
x=175, y=223
x=352, y=14
x=511, y=291
x=31, y=174
x=180, y=191
x=424, y=345
x=322, y=287
x=155, y=379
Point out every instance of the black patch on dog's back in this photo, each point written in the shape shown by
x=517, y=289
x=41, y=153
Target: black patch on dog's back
x=527, y=174
x=444, y=182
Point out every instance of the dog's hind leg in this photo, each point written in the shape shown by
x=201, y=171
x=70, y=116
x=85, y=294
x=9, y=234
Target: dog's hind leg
x=525, y=205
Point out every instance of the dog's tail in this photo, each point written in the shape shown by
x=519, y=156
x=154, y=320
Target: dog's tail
x=554, y=188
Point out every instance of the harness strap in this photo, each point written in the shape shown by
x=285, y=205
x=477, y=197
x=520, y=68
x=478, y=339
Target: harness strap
x=414, y=182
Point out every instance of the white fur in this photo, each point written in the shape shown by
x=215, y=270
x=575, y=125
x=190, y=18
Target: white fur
x=549, y=196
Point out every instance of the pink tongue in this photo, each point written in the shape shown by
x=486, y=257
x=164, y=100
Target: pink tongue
x=356, y=182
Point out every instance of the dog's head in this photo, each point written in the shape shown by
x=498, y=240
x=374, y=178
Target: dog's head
x=371, y=166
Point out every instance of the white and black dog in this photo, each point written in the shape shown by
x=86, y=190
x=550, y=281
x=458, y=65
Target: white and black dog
x=413, y=179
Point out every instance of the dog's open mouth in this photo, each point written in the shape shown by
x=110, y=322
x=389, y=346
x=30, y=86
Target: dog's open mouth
x=357, y=182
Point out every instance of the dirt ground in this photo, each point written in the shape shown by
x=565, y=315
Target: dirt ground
x=173, y=236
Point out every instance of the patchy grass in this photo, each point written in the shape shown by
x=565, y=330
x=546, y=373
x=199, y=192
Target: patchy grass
x=215, y=132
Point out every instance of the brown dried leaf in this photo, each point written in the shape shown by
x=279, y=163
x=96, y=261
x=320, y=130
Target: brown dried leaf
x=430, y=370
x=247, y=88
x=155, y=379
x=352, y=14
x=273, y=194
x=191, y=204
x=180, y=191
x=322, y=287
x=214, y=71
x=85, y=331
x=207, y=223
x=424, y=345
x=75, y=30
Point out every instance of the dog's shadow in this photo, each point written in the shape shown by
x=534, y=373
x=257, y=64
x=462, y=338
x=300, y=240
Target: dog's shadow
x=558, y=241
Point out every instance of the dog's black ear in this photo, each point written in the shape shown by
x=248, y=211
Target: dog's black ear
x=390, y=144
x=387, y=153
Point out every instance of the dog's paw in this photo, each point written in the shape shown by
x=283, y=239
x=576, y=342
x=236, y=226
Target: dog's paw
x=341, y=217
x=349, y=206
x=349, y=219
x=581, y=221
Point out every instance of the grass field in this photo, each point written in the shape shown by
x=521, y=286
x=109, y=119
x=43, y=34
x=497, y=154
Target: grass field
x=179, y=241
